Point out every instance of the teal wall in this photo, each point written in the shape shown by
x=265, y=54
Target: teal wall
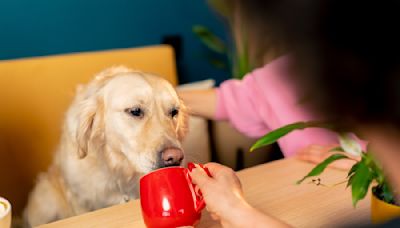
x=46, y=27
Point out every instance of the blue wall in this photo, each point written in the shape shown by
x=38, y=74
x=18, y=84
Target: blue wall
x=46, y=27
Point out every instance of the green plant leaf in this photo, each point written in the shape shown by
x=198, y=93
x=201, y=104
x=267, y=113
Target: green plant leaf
x=349, y=180
x=209, y=39
x=336, y=149
x=350, y=174
x=360, y=182
x=353, y=169
x=243, y=61
x=322, y=166
x=274, y=135
x=242, y=64
x=374, y=166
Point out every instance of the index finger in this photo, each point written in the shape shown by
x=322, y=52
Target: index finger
x=199, y=178
x=214, y=168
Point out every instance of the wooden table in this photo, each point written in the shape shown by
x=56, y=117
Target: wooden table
x=270, y=188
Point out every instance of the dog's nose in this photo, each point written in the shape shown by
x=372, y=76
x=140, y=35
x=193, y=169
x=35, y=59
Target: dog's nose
x=171, y=157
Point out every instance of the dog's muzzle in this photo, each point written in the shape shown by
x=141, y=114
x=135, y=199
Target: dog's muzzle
x=171, y=156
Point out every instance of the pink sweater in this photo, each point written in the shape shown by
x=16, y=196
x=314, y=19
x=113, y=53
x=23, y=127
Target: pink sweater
x=265, y=100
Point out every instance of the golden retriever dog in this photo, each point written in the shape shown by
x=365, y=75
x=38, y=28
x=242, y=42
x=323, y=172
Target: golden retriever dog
x=120, y=126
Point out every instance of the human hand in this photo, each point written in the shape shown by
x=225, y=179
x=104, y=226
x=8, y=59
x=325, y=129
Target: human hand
x=317, y=153
x=222, y=193
x=224, y=199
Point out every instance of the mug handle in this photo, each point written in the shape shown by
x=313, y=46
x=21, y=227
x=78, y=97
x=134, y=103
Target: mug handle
x=200, y=204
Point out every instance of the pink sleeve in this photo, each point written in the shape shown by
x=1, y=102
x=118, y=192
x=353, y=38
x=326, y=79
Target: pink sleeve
x=265, y=100
x=238, y=102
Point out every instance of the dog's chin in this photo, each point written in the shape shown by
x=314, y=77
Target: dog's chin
x=169, y=166
x=145, y=170
x=161, y=166
x=144, y=166
x=155, y=166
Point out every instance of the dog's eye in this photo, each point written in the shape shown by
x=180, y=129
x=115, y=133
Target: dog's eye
x=174, y=112
x=137, y=112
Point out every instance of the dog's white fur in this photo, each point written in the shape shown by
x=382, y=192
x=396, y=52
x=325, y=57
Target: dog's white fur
x=104, y=150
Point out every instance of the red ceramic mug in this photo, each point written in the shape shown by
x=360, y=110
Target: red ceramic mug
x=168, y=198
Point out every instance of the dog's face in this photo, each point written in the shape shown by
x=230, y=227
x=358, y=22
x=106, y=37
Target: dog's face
x=132, y=120
x=142, y=119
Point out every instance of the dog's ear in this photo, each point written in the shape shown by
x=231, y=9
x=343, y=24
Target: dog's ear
x=84, y=118
x=80, y=119
x=183, y=121
x=86, y=115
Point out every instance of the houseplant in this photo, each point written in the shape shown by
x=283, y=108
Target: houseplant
x=238, y=62
x=234, y=58
x=365, y=173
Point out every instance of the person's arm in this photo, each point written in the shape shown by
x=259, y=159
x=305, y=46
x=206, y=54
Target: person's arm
x=318, y=153
x=247, y=104
x=225, y=201
x=200, y=102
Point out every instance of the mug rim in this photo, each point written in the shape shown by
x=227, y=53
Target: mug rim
x=156, y=170
x=8, y=207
